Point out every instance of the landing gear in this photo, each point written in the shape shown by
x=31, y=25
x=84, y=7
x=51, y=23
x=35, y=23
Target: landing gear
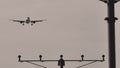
x=31, y=24
x=23, y=24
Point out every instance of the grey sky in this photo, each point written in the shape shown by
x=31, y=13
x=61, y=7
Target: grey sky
x=73, y=27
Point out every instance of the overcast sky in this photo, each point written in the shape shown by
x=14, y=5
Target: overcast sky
x=73, y=27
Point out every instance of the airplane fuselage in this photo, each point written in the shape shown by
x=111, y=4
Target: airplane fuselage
x=28, y=20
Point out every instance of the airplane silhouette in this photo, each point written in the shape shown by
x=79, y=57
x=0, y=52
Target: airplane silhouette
x=28, y=21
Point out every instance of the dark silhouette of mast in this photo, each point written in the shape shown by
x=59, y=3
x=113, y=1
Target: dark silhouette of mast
x=111, y=31
x=111, y=34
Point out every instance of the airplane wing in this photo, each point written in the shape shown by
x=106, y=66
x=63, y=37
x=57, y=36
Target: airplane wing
x=37, y=21
x=18, y=21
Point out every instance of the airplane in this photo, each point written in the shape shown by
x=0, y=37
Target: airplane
x=28, y=21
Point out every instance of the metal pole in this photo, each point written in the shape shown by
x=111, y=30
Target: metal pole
x=111, y=31
x=111, y=34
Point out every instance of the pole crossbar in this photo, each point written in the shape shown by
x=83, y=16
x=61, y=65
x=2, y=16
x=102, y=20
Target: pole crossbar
x=58, y=60
x=61, y=61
